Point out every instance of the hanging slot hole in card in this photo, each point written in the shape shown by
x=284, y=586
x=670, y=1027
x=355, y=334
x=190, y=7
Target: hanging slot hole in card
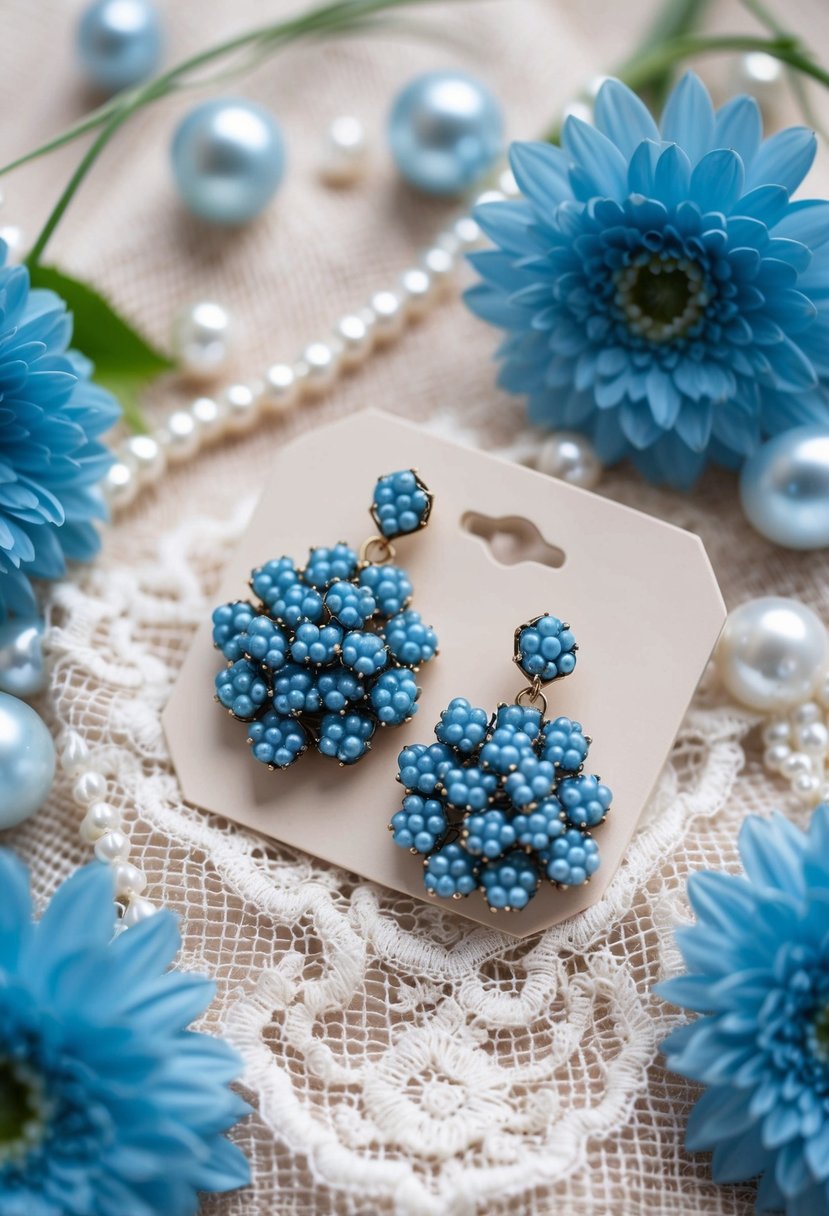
x=512, y=539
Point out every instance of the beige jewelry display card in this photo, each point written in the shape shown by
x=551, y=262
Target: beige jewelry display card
x=640, y=596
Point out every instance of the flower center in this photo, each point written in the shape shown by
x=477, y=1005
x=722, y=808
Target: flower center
x=820, y=1033
x=661, y=298
x=22, y=1111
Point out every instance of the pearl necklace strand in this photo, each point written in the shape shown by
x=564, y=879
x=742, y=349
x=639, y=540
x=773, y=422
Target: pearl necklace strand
x=143, y=459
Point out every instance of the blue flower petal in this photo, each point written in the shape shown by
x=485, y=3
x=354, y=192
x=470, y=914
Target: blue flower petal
x=783, y=159
x=807, y=221
x=739, y=125
x=597, y=157
x=541, y=171
x=688, y=117
x=623, y=117
x=717, y=180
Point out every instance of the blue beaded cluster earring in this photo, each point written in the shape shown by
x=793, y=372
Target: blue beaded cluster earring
x=329, y=650
x=501, y=801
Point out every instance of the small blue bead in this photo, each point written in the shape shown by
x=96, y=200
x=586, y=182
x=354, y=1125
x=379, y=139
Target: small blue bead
x=229, y=624
x=401, y=503
x=564, y=744
x=422, y=768
x=546, y=649
x=242, y=688
x=571, y=858
x=419, y=824
x=339, y=687
x=364, y=653
x=119, y=43
x=316, y=644
x=330, y=564
x=409, y=640
x=390, y=586
x=585, y=800
x=446, y=131
x=265, y=643
x=276, y=741
x=532, y=781
x=394, y=696
x=451, y=872
x=462, y=726
x=345, y=736
x=510, y=882
x=295, y=691
x=228, y=159
x=488, y=833
x=469, y=788
x=351, y=606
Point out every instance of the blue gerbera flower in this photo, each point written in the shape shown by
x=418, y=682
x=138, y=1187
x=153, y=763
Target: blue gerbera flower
x=659, y=289
x=109, y=1106
x=758, y=970
x=51, y=459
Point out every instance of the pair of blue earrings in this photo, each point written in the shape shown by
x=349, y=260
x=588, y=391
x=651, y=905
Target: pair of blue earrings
x=328, y=652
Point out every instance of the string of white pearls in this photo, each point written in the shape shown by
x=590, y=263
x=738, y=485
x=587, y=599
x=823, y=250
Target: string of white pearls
x=102, y=827
x=797, y=747
x=143, y=459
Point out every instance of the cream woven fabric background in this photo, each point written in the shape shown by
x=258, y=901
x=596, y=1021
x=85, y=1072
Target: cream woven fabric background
x=402, y=1061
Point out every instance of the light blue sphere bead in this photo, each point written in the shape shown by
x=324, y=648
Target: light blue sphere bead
x=446, y=130
x=228, y=159
x=119, y=43
x=784, y=488
x=27, y=761
x=22, y=670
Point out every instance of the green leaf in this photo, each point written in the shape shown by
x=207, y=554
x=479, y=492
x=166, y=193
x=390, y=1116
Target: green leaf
x=124, y=361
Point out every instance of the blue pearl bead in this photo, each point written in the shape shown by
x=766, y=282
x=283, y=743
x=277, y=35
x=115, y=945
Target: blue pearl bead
x=119, y=43
x=784, y=488
x=445, y=130
x=22, y=672
x=228, y=158
x=27, y=761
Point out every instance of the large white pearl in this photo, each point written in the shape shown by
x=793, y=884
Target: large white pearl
x=148, y=456
x=784, y=488
x=22, y=670
x=281, y=392
x=344, y=156
x=772, y=653
x=27, y=761
x=571, y=458
x=120, y=484
x=201, y=339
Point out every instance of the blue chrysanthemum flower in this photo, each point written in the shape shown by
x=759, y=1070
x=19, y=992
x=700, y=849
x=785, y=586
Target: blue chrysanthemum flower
x=51, y=459
x=659, y=289
x=758, y=970
x=109, y=1104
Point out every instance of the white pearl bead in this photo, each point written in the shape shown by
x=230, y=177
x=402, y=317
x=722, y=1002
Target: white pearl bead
x=74, y=754
x=128, y=880
x=418, y=290
x=120, y=483
x=775, y=755
x=356, y=333
x=795, y=764
x=441, y=264
x=813, y=739
x=148, y=455
x=137, y=909
x=806, y=787
x=281, y=392
x=98, y=820
x=823, y=692
x=387, y=307
x=467, y=232
x=488, y=196
x=90, y=787
x=180, y=435
x=771, y=652
x=761, y=75
x=323, y=360
x=242, y=402
x=570, y=457
x=508, y=185
x=210, y=418
x=201, y=337
x=344, y=159
x=112, y=847
x=808, y=712
x=777, y=731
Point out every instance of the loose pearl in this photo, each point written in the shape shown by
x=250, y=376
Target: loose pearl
x=137, y=909
x=784, y=488
x=98, y=820
x=446, y=131
x=440, y=264
x=808, y=712
x=180, y=436
x=806, y=787
x=242, y=402
x=813, y=739
x=119, y=43
x=467, y=232
x=323, y=362
x=128, y=880
x=777, y=731
x=89, y=787
x=570, y=457
x=201, y=340
x=488, y=196
x=761, y=75
x=776, y=754
x=27, y=761
x=795, y=764
x=112, y=847
x=210, y=417
x=771, y=653
x=74, y=754
x=344, y=159
x=356, y=333
x=228, y=160
x=120, y=484
x=22, y=670
x=387, y=307
x=823, y=692
x=418, y=290
x=508, y=185
x=281, y=391
x=148, y=456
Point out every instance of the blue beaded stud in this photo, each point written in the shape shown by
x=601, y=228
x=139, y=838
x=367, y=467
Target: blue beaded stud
x=327, y=651
x=508, y=803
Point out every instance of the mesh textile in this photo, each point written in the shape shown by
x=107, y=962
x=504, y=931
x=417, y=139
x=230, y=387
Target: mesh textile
x=402, y=1061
